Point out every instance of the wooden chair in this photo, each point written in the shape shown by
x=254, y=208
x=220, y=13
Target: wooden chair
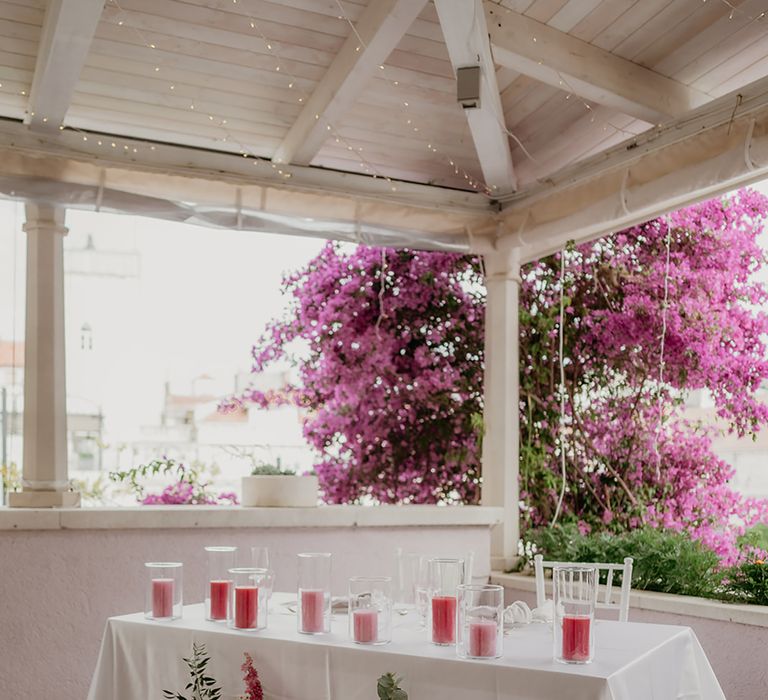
x=603, y=594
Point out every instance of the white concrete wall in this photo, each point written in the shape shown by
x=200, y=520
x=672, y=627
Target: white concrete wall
x=57, y=587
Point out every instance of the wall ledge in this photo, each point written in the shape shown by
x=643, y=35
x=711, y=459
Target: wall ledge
x=168, y=517
x=755, y=615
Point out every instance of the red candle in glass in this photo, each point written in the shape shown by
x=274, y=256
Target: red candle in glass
x=576, y=630
x=365, y=625
x=246, y=607
x=444, y=619
x=312, y=610
x=162, y=597
x=483, y=636
x=219, y=596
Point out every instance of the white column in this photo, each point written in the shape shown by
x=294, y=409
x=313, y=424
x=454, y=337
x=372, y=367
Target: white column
x=501, y=443
x=45, y=477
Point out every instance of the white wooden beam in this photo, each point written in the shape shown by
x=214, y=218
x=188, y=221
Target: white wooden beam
x=65, y=39
x=466, y=36
x=570, y=64
x=378, y=32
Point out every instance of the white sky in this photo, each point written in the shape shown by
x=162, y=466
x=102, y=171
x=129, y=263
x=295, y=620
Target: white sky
x=203, y=297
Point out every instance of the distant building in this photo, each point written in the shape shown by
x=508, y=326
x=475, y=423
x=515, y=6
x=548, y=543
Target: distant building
x=747, y=456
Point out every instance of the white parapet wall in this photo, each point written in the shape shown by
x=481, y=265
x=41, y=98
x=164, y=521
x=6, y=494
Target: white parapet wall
x=734, y=637
x=63, y=572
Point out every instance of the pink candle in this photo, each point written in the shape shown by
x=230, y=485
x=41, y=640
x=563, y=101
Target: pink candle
x=162, y=597
x=576, y=638
x=482, y=638
x=246, y=607
x=219, y=595
x=444, y=619
x=365, y=625
x=312, y=611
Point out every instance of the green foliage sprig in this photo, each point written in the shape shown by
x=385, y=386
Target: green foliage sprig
x=271, y=470
x=388, y=688
x=201, y=685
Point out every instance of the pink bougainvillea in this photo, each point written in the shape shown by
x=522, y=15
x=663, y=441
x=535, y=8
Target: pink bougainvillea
x=391, y=377
x=391, y=359
x=630, y=455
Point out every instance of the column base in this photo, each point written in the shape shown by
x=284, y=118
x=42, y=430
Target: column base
x=44, y=499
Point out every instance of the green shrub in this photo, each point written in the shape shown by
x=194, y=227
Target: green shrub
x=664, y=561
x=748, y=583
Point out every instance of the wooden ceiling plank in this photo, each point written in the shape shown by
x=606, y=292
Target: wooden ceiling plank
x=569, y=64
x=466, y=36
x=380, y=28
x=65, y=40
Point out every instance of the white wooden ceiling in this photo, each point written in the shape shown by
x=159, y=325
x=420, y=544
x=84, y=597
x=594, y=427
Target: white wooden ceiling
x=236, y=75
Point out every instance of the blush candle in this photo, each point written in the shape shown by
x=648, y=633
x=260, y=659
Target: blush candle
x=247, y=599
x=444, y=619
x=576, y=638
x=480, y=621
x=218, y=581
x=162, y=597
x=246, y=607
x=575, y=594
x=219, y=595
x=312, y=611
x=370, y=609
x=482, y=638
x=163, y=591
x=314, y=593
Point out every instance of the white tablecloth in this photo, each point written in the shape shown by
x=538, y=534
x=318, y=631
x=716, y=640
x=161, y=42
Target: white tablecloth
x=139, y=658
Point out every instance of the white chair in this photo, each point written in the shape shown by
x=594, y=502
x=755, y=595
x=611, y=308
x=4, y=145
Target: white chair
x=604, y=597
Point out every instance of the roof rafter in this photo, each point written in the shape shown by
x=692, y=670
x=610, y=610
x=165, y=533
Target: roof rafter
x=466, y=36
x=377, y=32
x=65, y=39
x=565, y=62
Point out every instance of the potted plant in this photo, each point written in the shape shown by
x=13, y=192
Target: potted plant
x=270, y=486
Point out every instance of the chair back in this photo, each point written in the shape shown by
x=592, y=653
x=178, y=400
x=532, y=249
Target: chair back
x=605, y=595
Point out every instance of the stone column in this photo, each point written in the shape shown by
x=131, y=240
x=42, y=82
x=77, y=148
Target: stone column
x=45, y=477
x=501, y=444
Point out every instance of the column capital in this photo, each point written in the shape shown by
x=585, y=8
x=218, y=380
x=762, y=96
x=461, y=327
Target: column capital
x=45, y=217
x=503, y=264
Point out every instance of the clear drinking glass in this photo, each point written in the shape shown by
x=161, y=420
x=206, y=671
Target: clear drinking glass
x=260, y=560
x=314, y=606
x=481, y=621
x=248, y=600
x=218, y=583
x=574, y=618
x=370, y=610
x=445, y=576
x=163, y=598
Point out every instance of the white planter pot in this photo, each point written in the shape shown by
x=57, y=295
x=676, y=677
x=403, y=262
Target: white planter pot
x=280, y=491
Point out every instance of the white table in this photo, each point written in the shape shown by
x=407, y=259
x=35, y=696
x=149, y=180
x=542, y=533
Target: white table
x=139, y=658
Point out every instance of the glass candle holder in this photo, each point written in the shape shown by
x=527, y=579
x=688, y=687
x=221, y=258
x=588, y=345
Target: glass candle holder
x=163, y=598
x=314, y=594
x=445, y=576
x=481, y=621
x=370, y=610
x=574, y=605
x=218, y=584
x=248, y=600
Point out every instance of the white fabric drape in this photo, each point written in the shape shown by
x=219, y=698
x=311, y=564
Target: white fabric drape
x=140, y=658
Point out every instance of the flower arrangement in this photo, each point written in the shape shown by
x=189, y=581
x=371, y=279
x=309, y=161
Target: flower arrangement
x=201, y=685
x=253, y=689
x=189, y=487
